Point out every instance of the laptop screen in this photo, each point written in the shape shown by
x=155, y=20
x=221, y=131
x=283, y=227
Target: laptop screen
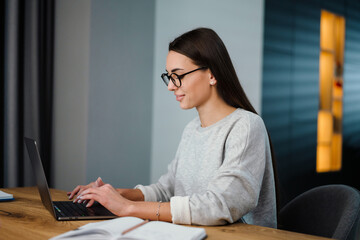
x=39, y=174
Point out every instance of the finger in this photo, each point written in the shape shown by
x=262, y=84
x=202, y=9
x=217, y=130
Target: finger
x=81, y=195
x=83, y=188
x=90, y=190
x=72, y=194
x=91, y=202
x=99, y=182
x=78, y=194
x=79, y=200
x=90, y=196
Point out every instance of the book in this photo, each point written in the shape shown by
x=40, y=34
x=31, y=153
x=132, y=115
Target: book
x=133, y=228
x=6, y=196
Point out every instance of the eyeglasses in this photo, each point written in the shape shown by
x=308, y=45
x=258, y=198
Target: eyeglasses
x=175, y=78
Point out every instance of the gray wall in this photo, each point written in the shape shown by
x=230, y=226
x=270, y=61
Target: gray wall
x=71, y=76
x=120, y=91
x=103, y=91
x=114, y=117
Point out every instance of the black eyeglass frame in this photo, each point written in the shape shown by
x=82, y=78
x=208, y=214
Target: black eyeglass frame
x=166, y=77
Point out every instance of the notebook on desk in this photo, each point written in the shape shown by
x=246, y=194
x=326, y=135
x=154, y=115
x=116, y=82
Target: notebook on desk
x=61, y=210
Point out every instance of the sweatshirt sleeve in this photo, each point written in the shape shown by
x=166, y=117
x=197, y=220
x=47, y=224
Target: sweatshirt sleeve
x=234, y=190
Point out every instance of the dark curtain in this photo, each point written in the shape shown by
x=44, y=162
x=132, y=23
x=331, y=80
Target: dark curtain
x=28, y=82
x=2, y=24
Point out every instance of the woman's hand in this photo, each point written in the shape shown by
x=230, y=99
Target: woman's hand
x=115, y=202
x=107, y=196
x=80, y=188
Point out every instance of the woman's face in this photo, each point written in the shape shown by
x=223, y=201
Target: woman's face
x=195, y=87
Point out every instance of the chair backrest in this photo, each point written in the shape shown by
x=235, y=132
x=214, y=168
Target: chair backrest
x=329, y=211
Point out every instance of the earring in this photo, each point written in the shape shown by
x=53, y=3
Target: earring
x=212, y=82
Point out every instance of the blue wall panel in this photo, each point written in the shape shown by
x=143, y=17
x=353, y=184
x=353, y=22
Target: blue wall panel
x=291, y=91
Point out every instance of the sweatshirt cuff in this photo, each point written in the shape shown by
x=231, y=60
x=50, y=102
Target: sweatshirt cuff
x=180, y=210
x=148, y=192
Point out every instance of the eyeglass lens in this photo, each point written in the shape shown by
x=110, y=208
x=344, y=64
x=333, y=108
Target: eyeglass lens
x=173, y=77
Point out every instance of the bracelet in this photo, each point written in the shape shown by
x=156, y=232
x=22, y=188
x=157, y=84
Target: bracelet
x=158, y=211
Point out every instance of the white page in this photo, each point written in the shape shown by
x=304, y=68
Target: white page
x=5, y=196
x=114, y=226
x=157, y=230
x=101, y=230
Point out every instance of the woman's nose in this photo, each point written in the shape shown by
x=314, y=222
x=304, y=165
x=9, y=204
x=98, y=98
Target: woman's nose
x=171, y=86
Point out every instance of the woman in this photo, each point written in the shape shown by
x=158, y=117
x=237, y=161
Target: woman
x=223, y=170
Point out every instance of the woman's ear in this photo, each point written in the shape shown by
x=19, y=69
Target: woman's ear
x=212, y=79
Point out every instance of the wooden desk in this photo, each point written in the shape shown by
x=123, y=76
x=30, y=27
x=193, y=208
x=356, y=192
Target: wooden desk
x=27, y=218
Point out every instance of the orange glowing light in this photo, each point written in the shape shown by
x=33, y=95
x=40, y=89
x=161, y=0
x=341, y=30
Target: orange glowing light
x=329, y=140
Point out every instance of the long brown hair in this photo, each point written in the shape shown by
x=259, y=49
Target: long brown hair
x=205, y=48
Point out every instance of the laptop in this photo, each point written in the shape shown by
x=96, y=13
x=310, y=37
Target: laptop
x=61, y=210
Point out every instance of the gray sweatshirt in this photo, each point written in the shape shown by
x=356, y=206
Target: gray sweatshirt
x=221, y=174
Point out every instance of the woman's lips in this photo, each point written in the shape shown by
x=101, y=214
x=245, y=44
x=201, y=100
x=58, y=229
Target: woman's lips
x=179, y=97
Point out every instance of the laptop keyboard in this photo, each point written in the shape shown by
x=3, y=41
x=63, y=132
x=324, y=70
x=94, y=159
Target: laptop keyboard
x=69, y=208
